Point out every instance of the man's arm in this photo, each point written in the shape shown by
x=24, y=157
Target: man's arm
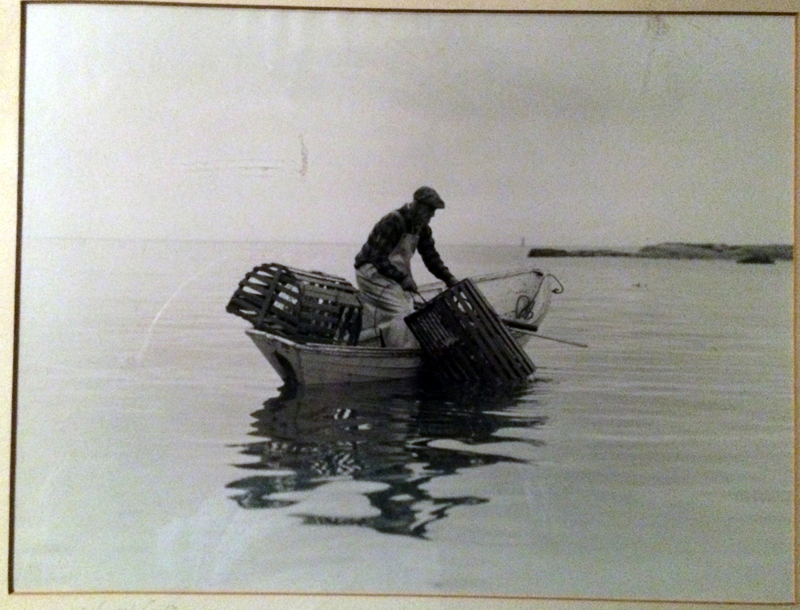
x=431, y=258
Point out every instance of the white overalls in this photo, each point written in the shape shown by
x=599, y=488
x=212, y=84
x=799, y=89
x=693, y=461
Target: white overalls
x=385, y=301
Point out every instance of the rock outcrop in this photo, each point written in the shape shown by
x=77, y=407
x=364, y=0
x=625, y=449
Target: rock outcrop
x=750, y=253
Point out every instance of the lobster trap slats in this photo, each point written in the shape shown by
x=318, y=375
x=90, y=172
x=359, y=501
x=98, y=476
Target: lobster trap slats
x=305, y=306
x=465, y=339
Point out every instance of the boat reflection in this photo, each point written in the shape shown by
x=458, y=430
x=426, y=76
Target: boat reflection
x=395, y=436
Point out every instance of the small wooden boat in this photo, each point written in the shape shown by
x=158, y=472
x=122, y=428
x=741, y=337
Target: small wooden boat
x=522, y=295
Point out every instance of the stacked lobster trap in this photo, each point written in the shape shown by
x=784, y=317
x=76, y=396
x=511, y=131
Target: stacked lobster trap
x=304, y=306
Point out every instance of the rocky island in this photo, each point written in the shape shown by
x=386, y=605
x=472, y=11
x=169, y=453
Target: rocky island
x=757, y=254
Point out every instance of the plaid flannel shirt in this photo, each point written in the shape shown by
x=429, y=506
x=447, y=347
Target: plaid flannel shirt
x=385, y=236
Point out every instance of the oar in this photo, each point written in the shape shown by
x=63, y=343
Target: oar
x=529, y=329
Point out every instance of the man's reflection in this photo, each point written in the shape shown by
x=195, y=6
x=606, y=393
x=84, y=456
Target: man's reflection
x=390, y=434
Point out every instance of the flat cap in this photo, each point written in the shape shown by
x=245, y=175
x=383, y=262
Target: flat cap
x=428, y=196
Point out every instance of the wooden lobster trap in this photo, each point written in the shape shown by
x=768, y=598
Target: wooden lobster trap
x=465, y=339
x=304, y=306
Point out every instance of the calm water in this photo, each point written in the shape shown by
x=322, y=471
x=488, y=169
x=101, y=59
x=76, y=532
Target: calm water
x=156, y=450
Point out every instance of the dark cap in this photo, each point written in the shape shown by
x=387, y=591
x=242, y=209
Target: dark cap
x=428, y=196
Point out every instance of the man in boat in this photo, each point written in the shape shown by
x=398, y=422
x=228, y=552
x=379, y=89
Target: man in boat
x=383, y=267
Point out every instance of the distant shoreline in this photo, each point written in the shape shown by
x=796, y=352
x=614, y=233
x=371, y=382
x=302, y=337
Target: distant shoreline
x=747, y=253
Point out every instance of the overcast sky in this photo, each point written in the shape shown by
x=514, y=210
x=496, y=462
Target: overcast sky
x=267, y=124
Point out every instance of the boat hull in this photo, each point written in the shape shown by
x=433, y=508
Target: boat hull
x=313, y=364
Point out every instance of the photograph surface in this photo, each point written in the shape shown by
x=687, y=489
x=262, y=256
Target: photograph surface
x=219, y=204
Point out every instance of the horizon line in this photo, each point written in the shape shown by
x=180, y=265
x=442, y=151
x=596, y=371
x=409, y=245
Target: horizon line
x=439, y=243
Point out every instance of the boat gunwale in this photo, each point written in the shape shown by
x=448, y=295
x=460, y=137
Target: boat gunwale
x=487, y=277
x=338, y=349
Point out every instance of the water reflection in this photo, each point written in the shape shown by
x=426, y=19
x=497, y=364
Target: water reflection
x=396, y=436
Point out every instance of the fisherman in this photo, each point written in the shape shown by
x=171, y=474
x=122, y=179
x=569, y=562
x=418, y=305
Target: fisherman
x=383, y=267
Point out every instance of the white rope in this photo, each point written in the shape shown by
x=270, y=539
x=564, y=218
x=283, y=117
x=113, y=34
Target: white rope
x=146, y=344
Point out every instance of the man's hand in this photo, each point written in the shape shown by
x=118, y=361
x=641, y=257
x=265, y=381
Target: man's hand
x=451, y=282
x=408, y=284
